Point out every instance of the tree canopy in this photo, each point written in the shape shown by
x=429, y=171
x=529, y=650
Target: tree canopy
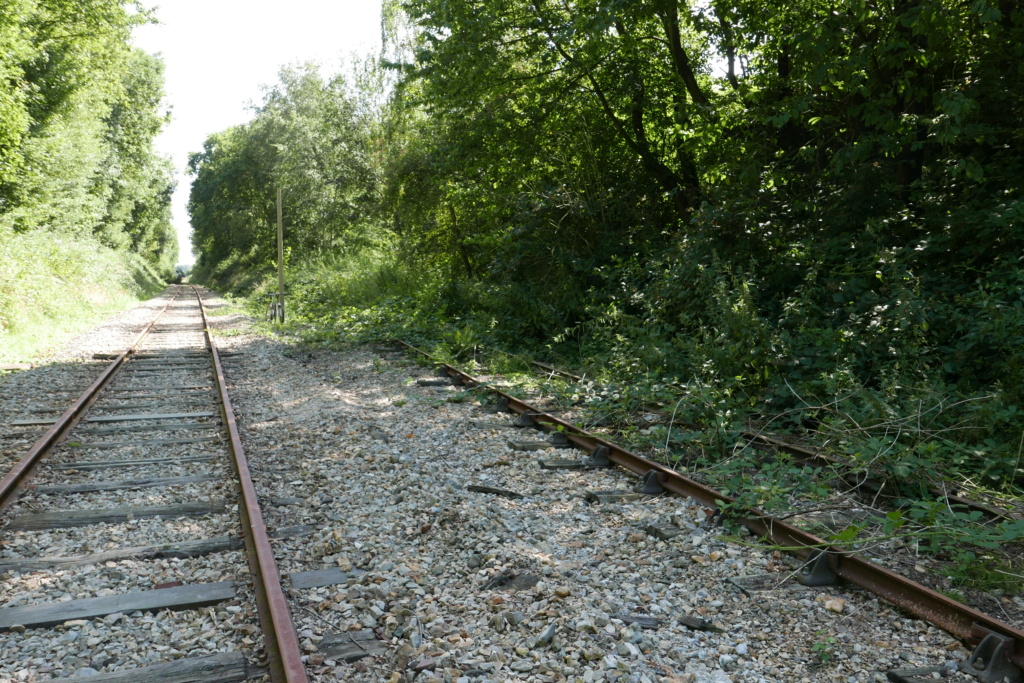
x=782, y=200
x=310, y=137
x=79, y=109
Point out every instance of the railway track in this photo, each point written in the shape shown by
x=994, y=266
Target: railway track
x=862, y=481
x=418, y=541
x=136, y=509
x=999, y=646
x=846, y=476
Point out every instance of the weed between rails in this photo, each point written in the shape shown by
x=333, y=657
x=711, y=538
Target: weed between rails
x=824, y=649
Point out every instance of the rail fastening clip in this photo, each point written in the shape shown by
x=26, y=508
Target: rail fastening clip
x=651, y=484
x=990, y=661
x=599, y=457
x=816, y=572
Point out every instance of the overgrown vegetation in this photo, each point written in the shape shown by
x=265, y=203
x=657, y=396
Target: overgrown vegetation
x=805, y=217
x=79, y=179
x=54, y=286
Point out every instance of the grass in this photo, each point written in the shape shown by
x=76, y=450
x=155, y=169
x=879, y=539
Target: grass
x=986, y=573
x=53, y=287
x=227, y=333
x=231, y=306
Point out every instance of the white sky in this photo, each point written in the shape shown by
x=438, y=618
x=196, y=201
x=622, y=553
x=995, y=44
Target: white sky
x=219, y=52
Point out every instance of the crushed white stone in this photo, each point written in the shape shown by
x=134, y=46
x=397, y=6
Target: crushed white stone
x=378, y=466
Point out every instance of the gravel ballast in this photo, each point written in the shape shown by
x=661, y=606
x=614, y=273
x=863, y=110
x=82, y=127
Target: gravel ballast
x=370, y=472
x=465, y=586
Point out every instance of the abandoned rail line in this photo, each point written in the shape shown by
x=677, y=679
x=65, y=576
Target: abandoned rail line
x=999, y=652
x=411, y=539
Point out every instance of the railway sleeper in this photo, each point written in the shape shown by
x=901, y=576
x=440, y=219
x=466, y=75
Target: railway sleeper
x=190, y=596
x=224, y=667
x=64, y=519
x=184, y=549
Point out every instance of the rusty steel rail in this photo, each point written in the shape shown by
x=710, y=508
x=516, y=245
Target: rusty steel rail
x=557, y=372
x=22, y=470
x=280, y=640
x=953, y=617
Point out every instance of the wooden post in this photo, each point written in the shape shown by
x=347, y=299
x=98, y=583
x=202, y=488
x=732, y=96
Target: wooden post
x=280, y=255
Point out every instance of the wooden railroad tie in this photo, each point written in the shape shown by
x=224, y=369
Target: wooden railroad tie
x=190, y=596
x=64, y=519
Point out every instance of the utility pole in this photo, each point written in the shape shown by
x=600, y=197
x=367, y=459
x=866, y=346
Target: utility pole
x=280, y=257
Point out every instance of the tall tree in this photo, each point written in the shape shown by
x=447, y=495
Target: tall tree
x=309, y=138
x=79, y=108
